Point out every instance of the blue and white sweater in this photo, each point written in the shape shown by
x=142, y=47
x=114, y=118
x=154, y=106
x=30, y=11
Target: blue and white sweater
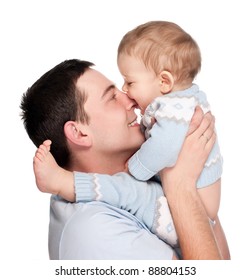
x=172, y=114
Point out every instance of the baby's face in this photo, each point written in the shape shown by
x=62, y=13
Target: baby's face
x=140, y=83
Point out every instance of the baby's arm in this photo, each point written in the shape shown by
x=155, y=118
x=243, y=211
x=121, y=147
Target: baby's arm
x=167, y=135
x=145, y=200
x=50, y=177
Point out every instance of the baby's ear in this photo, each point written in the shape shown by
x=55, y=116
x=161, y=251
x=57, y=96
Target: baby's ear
x=166, y=82
x=77, y=133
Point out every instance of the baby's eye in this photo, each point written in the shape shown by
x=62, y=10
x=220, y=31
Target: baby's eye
x=129, y=83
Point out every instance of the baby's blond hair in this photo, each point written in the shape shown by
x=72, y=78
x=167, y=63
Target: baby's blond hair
x=163, y=45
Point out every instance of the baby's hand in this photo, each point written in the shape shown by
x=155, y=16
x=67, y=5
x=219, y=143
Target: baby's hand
x=153, y=121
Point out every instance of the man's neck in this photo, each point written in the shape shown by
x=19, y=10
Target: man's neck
x=100, y=164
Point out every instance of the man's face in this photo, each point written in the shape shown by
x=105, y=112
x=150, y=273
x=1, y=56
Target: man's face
x=112, y=120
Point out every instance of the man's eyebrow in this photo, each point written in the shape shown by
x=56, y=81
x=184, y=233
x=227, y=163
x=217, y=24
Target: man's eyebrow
x=107, y=90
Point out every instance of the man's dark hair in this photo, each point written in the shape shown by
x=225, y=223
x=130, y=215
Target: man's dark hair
x=50, y=102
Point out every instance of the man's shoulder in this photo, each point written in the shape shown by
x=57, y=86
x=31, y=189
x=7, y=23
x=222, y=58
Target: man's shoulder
x=97, y=215
x=97, y=230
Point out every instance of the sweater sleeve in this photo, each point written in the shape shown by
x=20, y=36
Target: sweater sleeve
x=144, y=200
x=166, y=137
x=120, y=190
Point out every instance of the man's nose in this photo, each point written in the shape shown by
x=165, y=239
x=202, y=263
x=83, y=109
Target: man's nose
x=128, y=102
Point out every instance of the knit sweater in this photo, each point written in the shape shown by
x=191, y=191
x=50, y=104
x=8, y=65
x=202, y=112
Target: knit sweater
x=172, y=114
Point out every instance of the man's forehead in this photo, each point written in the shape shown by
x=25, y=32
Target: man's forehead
x=92, y=81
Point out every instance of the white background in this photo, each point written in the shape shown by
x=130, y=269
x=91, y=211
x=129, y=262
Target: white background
x=36, y=35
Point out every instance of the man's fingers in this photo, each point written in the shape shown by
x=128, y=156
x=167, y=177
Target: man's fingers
x=206, y=127
x=196, y=120
x=210, y=143
x=207, y=134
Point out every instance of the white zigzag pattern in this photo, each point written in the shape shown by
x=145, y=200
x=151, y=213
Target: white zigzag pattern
x=180, y=109
x=213, y=160
x=97, y=188
x=165, y=226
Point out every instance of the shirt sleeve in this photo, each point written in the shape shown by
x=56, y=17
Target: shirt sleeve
x=172, y=117
x=99, y=231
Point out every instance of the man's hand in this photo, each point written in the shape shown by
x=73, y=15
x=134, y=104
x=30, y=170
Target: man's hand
x=196, y=120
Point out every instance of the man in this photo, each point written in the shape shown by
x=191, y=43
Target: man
x=92, y=127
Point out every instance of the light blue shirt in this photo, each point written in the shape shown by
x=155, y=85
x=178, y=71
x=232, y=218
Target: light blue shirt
x=96, y=230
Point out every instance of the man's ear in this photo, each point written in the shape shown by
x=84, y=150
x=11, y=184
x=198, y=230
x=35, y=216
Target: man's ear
x=166, y=82
x=77, y=133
